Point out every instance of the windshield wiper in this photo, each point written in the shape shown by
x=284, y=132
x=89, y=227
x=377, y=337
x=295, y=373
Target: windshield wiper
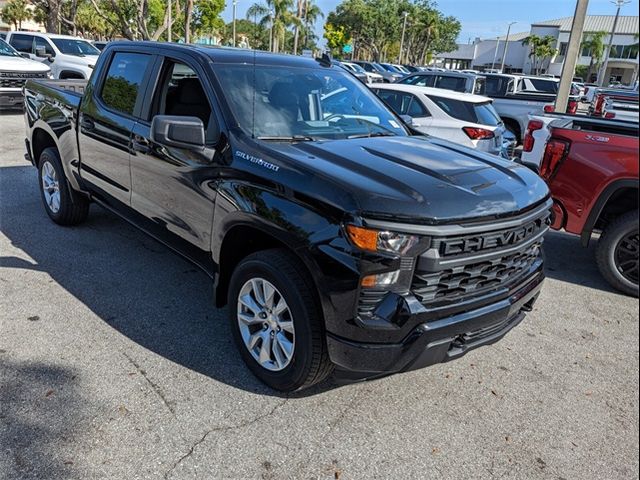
x=287, y=138
x=373, y=134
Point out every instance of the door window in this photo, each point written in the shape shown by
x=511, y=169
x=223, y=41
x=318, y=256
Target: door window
x=457, y=84
x=42, y=43
x=180, y=93
x=403, y=103
x=22, y=43
x=121, y=87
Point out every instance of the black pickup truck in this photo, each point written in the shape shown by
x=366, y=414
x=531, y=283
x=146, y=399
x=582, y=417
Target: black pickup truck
x=339, y=238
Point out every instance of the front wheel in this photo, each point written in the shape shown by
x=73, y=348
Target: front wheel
x=276, y=321
x=617, y=253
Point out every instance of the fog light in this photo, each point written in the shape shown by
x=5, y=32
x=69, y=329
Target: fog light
x=380, y=279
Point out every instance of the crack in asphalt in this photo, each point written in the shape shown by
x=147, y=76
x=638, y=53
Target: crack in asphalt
x=223, y=429
x=154, y=386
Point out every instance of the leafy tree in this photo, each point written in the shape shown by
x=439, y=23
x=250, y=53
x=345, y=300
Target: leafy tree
x=540, y=48
x=16, y=12
x=206, y=17
x=277, y=16
x=595, y=45
x=336, y=38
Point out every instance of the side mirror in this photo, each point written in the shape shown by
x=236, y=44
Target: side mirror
x=177, y=131
x=408, y=120
x=41, y=52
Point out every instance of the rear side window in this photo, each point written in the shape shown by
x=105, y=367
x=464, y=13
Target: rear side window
x=22, y=43
x=482, y=113
x=457, y=84
x=419, y=80
x=544, y=85
x=496, y=86
x=479, y=86
x=121, y=86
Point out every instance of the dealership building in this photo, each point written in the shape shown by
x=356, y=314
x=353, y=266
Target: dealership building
x=486, y=54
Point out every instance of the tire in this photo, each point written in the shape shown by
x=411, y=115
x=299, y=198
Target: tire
x=65, y=210
x=302, y=324
x=618, y=249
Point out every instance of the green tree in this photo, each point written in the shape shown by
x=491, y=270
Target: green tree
x=595, y=45
x=533, y=41
x=336, y=38
x=206, y=17
x=16, y=12
x=277, y=16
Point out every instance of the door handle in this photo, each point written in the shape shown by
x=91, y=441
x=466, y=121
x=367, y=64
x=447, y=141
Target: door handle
x=87, y=123
x=140, y=144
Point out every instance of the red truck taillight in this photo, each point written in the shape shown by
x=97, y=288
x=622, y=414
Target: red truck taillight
x=478, y=133
x=554, y=153
x=600, y=102
x=527, y=143
x=572, y=107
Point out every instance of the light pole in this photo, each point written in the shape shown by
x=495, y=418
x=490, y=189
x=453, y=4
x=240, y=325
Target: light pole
x=235, y=3
x=603, y=70
x=506, y=45
x=404, y=27
x=495, y=54
x=271, y=30
x=170, y=21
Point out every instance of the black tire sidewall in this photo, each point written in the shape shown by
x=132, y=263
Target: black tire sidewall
x=607, y=246
x=294, y=374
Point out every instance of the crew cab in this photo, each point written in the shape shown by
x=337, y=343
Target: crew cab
x=67, y=56
x=14, y=71
x=456, y=81
x=340, y=239
x=591, y=167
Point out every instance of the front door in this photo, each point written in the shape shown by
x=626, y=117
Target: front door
x=174, y=188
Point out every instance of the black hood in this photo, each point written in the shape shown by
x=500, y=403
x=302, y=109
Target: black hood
x=416, y=179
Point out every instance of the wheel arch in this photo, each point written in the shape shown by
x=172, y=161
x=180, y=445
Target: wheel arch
x=619, y=197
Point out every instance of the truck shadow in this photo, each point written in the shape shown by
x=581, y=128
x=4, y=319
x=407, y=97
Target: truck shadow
x=134, y=284
x=567, y=260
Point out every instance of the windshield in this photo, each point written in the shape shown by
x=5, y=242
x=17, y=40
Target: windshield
x=356, y=67
x=389, y=68
x=482, y=113
x=303, y=103
x=74, y=46
x=7, y=50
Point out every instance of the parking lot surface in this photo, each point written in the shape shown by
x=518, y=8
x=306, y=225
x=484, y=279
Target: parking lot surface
x=114, y=364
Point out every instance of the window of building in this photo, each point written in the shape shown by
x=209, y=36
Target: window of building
x=563, y=48
x=122, y=83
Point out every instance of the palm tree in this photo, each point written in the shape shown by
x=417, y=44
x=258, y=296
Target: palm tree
x=16, y=12
x=546, y=49
x=533, y=41
x=595, y=45
x=275, y=15
x=311, y=14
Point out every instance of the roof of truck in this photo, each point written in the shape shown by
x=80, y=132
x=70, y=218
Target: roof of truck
x=438, y=92
x=230, y=54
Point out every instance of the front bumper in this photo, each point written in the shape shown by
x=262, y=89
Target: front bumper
x=10, y=98
x=436, y=341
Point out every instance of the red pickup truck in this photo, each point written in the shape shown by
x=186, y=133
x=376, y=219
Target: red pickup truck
x=591, y=167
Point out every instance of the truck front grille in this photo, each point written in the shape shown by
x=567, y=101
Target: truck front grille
x=17, y=79
x=463, y=281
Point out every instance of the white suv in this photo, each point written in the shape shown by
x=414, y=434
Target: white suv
x=462, y=118
x=68, y=57
x=14, y=71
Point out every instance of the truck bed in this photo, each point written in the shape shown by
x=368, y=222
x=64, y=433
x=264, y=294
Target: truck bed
x=67, y=92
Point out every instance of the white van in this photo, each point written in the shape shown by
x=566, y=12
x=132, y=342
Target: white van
x=67, y=56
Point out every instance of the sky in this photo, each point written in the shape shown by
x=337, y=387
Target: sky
x=485, y=18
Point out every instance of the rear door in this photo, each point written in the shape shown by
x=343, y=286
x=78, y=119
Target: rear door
x=107, y=115
x=405, y=103
x=174, y=188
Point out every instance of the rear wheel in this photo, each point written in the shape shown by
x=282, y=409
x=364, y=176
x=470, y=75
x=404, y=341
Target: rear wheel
x=276, y=322
x=617, y=253
x=56, y=193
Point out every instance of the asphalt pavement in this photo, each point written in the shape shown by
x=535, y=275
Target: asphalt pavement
x=114, y=364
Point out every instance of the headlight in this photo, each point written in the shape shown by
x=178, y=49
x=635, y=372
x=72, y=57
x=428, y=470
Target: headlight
x=49, y=74
x=381, y=241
